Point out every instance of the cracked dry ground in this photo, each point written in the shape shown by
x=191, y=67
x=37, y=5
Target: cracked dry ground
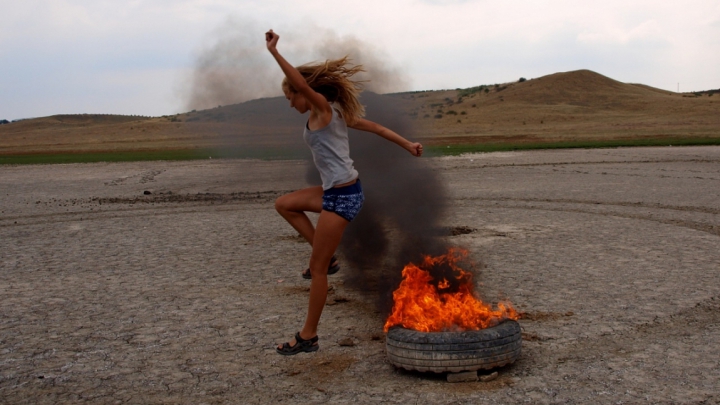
x=113, y=296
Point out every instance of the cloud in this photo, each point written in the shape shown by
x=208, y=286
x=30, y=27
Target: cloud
x=445, y=2
x=432, y=43
x=647, y=31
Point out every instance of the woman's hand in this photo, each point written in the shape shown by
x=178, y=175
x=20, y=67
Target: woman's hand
x=271, y=40
x=415, y=149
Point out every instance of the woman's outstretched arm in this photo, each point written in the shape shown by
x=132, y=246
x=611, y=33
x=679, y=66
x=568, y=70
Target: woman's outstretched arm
x=296, y=80
x=415, y=148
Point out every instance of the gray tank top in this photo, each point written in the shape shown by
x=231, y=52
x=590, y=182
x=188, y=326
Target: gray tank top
x=331, y=152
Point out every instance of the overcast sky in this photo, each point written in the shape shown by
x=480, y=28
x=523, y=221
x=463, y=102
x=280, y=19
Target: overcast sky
x=137, y=56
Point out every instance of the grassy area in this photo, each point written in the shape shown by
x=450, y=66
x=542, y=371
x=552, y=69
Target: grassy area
x=272, y=153
x=452, y=150
x=136, y=156
x=129, y=156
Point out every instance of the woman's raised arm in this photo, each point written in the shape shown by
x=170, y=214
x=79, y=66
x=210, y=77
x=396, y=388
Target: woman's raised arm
x=296, y=80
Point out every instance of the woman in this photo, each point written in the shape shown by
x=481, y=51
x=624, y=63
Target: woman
x=328, y=93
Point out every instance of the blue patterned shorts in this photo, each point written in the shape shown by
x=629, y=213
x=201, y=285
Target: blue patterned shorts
x=344, y=201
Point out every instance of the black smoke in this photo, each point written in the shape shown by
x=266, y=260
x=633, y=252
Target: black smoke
x=406, y=204
x=406, y=199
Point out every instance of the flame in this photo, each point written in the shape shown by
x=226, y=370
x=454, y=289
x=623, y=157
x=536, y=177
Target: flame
x=420, y=305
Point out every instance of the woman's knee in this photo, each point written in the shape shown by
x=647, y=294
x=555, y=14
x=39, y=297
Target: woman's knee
x=282, y=204
x=309, y=199
x=319, y=265
x=279, y=204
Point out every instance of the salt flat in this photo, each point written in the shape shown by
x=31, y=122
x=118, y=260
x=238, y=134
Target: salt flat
x=110, y=295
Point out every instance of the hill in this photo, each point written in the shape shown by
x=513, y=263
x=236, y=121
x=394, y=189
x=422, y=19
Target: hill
x=578, y=105
x=260, y=123
x=573, y=105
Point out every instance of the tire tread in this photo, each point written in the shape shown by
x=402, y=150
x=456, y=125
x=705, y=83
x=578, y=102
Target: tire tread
x=455, y=351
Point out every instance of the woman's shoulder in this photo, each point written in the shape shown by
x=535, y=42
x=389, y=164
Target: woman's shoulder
x=336, y=111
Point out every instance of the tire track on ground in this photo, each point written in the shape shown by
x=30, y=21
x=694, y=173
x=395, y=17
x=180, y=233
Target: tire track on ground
x=711, y=228
x=171, y=203
x=598, y=162
x=705, y=210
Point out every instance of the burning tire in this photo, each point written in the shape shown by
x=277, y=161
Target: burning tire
x=454, y=351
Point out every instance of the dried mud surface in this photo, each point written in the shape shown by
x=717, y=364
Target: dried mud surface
x=110, y=295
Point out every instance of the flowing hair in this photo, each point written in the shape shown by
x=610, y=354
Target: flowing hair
x=332, y=79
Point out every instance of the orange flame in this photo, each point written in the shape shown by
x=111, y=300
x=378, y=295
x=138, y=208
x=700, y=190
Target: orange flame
x=421, y=306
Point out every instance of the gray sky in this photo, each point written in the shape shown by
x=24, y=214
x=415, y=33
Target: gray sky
x=137, y=56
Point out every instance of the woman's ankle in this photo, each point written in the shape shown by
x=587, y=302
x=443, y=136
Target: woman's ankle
x=306, y=335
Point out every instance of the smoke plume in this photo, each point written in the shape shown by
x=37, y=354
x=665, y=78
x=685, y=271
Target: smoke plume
x=236, y=67
x=405, y=204
x=405, y=198
x=233, y=69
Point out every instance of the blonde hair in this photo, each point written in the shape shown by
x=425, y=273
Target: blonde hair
x=332, y=79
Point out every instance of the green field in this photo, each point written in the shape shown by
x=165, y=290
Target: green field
x=453, y=150
x=288, y=154
x=138, y=156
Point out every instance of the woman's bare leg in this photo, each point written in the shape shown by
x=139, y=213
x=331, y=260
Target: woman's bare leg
x=328, y=233
x=293, y=206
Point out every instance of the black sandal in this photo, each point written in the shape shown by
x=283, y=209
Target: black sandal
x=333, y=268
x=301, y=345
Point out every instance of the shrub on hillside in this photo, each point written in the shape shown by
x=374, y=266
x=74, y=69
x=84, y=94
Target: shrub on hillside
x=471, y=90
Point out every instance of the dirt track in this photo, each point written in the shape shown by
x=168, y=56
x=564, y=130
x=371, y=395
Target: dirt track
x=113, y=296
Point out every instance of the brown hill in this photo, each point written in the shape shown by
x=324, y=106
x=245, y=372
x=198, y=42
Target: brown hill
x=573, y=105
x=578, y=105
x=257, y=123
